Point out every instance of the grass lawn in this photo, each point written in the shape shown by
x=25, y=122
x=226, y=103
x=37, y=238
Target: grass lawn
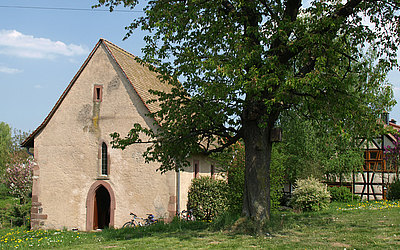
x=364, y=225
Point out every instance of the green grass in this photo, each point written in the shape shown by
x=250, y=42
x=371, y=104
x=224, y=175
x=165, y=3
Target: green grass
x=364, y=225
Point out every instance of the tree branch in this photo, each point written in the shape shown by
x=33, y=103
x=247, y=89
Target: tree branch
x=289, y=52
x=290, y=13
x=270, y=11
x=291, y=9
x=230, y=142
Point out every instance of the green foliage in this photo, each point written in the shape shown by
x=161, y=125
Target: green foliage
x=316, y=230
x=213, y=56
x=5, y=145
x=232, y=162
x=312, y=149
x=175, y=225
x=235, y=66
x=310, y=195
x=225, y=220
x=4, y=191
x=207, y=198
x=20, y=215
x=13, y=211
x=277, y=175
x=394, y=190
x=342, y=194
x=235, y=188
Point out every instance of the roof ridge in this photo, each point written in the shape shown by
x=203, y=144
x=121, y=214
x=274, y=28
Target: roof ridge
x=122, y=68
x=120, y=49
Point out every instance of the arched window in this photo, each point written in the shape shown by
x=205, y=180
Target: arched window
x=104, y=159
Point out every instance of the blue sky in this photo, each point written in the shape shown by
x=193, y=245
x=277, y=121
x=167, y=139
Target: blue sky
x=41, y=50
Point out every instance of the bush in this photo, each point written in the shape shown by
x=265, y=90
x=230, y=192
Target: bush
x=310, y=195
x=394, y=190
x=235, y=189
x=207, y=198
x=20, y=215
x=342, y=194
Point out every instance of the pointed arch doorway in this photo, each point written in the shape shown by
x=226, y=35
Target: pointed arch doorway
x=100, y=206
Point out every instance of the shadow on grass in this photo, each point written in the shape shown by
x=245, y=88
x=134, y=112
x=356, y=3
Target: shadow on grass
x=231, y=224
x=280, y=222
x=182, y=229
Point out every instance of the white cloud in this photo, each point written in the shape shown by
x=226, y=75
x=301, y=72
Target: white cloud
x=7, y=70
x=15, y=43
x=38, y=86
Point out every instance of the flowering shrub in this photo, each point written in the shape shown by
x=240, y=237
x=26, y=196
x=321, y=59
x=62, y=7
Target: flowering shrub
x=207, y=198
x=310, y=195
x=18, y=178
x=392, y=153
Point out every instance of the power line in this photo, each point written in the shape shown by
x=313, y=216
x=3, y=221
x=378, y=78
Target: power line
x=65, y=9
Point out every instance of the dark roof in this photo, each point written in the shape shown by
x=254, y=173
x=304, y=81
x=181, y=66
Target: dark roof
x=141, y=78
x=394, y=125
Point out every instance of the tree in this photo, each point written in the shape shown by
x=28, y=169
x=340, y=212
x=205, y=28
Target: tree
x=18, y=179
x=310, y=149
x=236, y=65
x=10, y=149
x=232, y=162
x=18, y=154
x=15, y=165
x=5, y=146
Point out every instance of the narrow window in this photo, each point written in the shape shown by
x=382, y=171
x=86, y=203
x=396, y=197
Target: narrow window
x=196, y=169
x=98, y=91
x=104, y=159
x=212, y=171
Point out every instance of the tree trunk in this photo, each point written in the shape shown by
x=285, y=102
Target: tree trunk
x=258, y=146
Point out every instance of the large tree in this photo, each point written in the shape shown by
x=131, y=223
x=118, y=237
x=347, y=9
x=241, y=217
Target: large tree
x=235, y=65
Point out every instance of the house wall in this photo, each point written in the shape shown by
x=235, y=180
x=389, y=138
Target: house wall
x=377, y=174
x=373, y=185
x=67, y=153
x=187, y=175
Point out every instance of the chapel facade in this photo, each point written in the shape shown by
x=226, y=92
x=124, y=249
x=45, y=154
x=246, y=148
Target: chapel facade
x=81, y=182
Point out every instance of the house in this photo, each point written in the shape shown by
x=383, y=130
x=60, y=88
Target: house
x=79, y=180
x=372, y=183
x=373, y=178
x=377, y=174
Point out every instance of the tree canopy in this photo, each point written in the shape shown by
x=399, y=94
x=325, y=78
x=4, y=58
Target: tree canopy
x=236, y=65
x=5, y=145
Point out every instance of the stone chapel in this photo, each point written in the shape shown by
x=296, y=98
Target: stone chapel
x=81, y=182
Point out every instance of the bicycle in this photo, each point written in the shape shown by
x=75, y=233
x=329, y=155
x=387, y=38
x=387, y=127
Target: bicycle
x=134, y=222
x=150, y=220
x=187, y=215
